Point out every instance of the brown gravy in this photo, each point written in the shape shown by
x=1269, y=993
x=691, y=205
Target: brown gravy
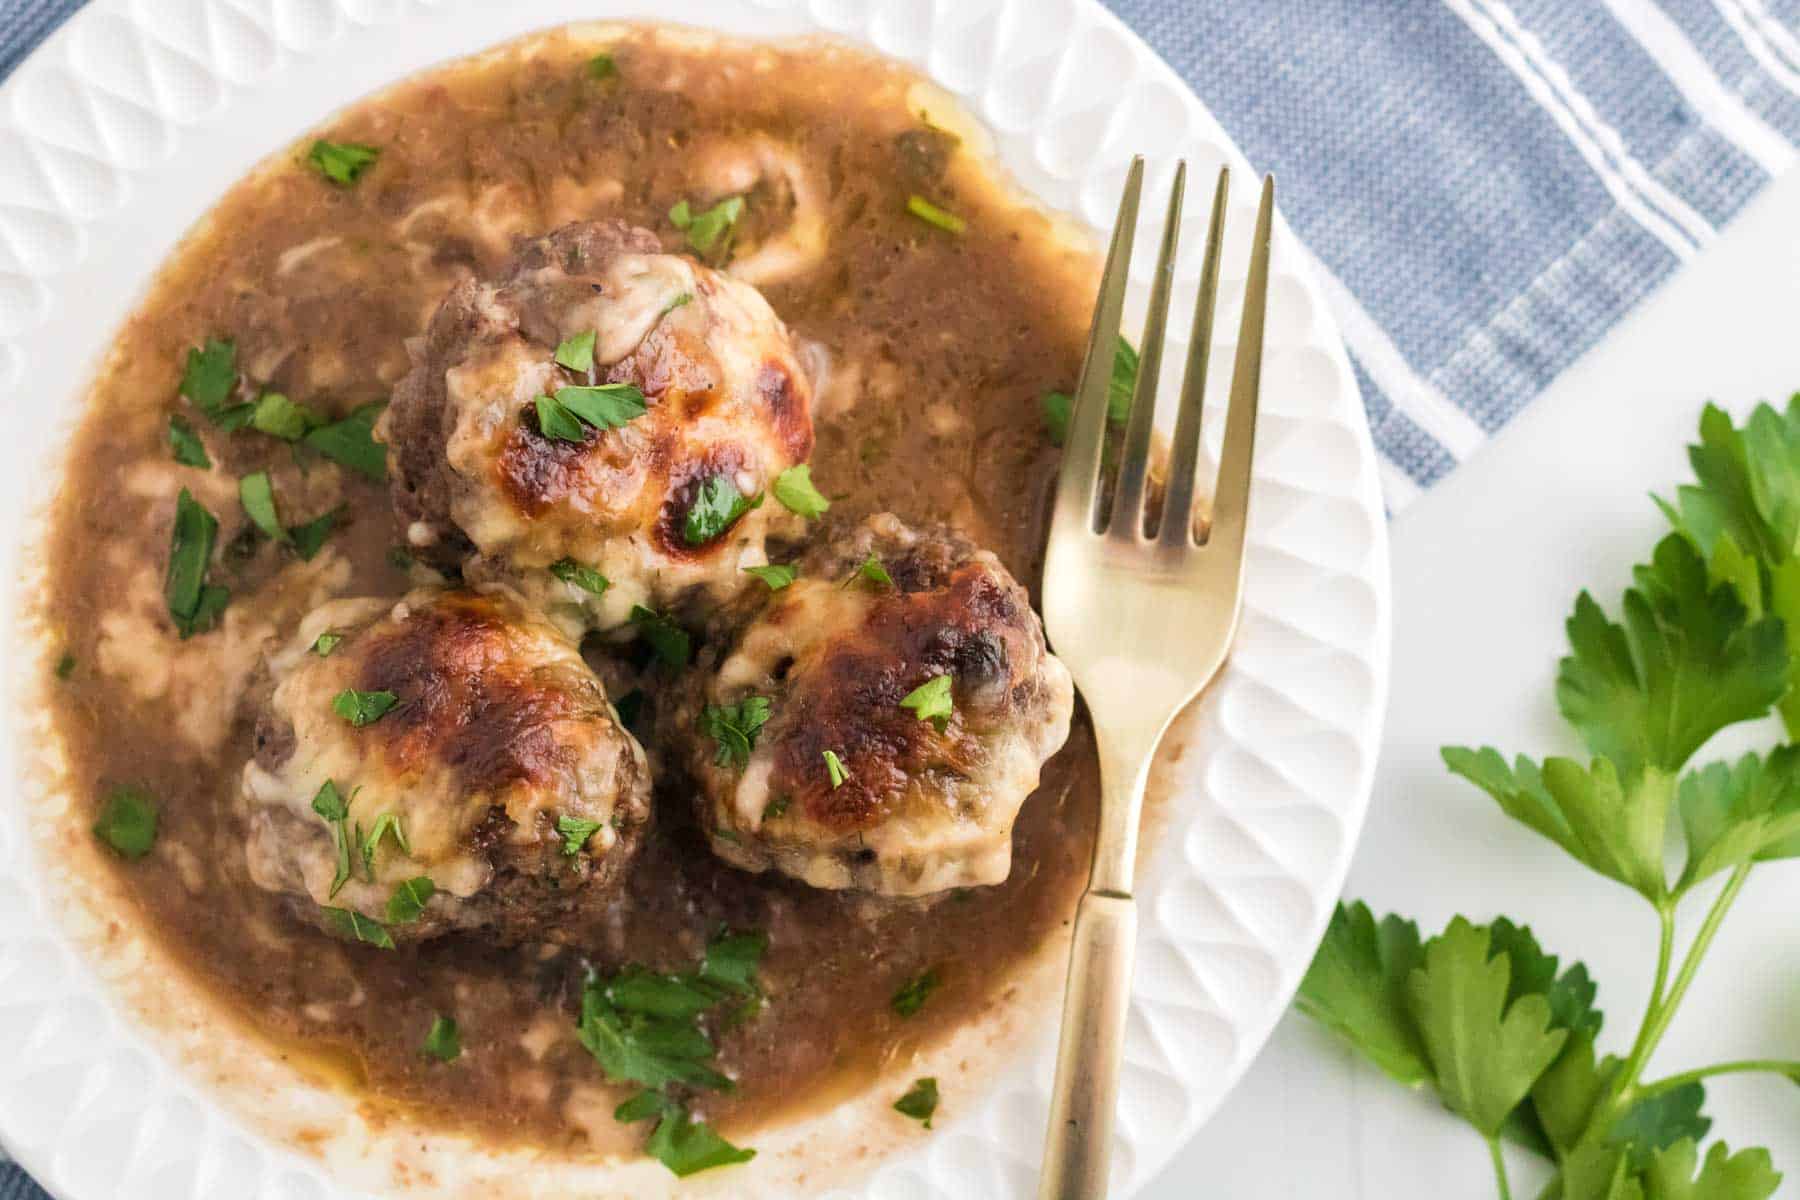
x=938, y=347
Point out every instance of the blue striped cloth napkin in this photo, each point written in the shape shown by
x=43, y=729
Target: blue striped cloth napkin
x=1488, y=185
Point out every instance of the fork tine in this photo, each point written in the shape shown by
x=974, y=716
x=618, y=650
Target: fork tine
x=1177, y=528
x=1231, y=503
x=1077, y=486
x=1127, y=520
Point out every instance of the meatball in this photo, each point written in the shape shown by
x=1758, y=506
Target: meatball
x=877, y=722
x=452, y=736
x=684, y=400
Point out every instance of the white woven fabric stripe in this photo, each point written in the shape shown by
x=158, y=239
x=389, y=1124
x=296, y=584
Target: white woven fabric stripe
x=1661, y=213
x=1700, y=86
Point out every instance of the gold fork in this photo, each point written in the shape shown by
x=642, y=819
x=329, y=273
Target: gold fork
x=1143, y=622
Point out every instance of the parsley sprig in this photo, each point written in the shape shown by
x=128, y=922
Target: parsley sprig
x=1708, y=636
x=647, y=1028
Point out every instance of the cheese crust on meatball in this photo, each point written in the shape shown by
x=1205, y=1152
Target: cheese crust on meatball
x=700, y=403
x=464, y=741
x=878, y=722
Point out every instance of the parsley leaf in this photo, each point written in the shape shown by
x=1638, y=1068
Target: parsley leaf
x=1356, y=987
x=334, y=810
x=348, y=923
x=127, y=822
x=794, y=488
x=932, y=701
x=185, y=445
x=920, y=1101
x=575, y=832
x=687, y=1146
x=309, y=539
x=577, y=353
x=325, y=643
x=351, y=443
x=1658, y=1122
x=776, y=575
x=1057, y=408
x=257, y=494
x=735, y=728
x=1686, y=663
x=732, y=960
x=581, y=575
x=280, y=417
x=643, y=1048
x=65, y=666
x=835, y=769
x=716, y=507
x=341, y=162
x=709, y=233
x=1746, y=1175
x=556, y=422
x=931, y=214
x=607, y=406
x=1741, y=812
x=669, y=640
x=193, y=603
x=912, y=996
x=444, y=1041
x=602, y=66
x=1484, y=1052
x=385, y=824
x=410, y=897
x=871, y=571
x=1613, y=826
x=210, y=376
x=361, y=708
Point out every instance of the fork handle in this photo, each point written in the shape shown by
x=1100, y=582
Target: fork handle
x=1078, y=1148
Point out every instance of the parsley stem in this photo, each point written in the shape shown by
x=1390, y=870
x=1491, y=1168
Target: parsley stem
x=1665, y=951
x=1499, y=1168
x=1743, y=1066
x=1624, y=1091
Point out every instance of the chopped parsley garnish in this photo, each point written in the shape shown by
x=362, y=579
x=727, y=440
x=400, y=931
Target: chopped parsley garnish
x=735, y=727
x=210, y=376
x=575, y=833
x=920, y=1101
x=794, y=488
x=602, y=66
x=931, y=701
x=280, y=417
x=606, y=406
x=325, y=643
x=577, y=353
x=834, y=767
x=444, y=1042
x=193, y=603
x=65, y=666
x=349, y=923
x=931, y=214
x=581, y=575
x=870, y=570
x=776, y=575
x=1058, y=406
x=709, y=233
x=643, y=1027
x=351, y=442
x=681, y=300
x=400, y=558
x=556, y=422
x=257, y=494
x=777, y=806
x=669, y=640
x=912, y=997
x=410, y=897
x=127, y=822
x=385, y=824
x=331, y=806
x=716, y=508
x=309, y=539
x=341, y=162
x=630, y=707
x=185, y=445
x=361, y=708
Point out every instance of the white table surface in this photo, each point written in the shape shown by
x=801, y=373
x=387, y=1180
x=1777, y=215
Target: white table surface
x=1486, y=567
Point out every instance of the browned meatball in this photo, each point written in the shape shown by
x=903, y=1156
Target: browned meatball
x=451, y=736
x=878, y=722
x=704, y=403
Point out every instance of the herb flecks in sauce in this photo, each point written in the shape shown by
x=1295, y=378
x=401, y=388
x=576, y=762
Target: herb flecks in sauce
x=363, y=708
x=794, y=488
x=575, y=833
x=835, y=769
x=920, y=1100
x=912, y=997
x=581, y=575
x=343, y=163
x=932, y=215
x=444, y=1041
x=776, y=575
x=709, y=233
x=734, y=727
x=128, y=822
x=716, y=507
x=932, y=701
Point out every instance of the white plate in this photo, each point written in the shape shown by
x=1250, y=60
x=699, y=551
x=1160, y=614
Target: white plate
x=128, y=124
